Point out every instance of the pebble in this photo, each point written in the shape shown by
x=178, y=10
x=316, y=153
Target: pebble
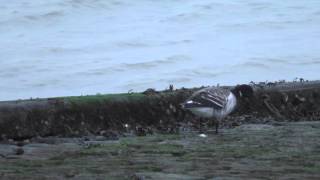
x=19, y=151
x=70, y=174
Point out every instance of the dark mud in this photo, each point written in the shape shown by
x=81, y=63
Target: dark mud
x=150, y=112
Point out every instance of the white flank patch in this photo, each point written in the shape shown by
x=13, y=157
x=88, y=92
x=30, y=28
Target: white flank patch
x=202, y=111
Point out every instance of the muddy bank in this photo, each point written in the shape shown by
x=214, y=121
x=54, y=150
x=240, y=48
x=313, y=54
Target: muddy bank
x=150, y=112
x=286, y=150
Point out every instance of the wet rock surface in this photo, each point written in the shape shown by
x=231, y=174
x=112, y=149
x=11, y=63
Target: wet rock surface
x=280, y=150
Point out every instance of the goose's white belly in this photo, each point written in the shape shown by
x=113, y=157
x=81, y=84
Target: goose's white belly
x=206, y=112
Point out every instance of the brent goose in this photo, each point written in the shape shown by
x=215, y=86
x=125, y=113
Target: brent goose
x=216, y=102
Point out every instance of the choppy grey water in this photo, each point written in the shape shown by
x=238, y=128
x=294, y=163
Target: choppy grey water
x=78, y=47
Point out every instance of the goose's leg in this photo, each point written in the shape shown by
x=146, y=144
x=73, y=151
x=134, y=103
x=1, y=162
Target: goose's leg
x=200, y=125
x=217, y=124
x=211, y=124
x=217, y=127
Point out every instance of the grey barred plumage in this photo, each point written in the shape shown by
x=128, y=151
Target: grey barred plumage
x=211, y=97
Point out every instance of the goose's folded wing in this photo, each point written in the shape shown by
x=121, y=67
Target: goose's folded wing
x=215, y=98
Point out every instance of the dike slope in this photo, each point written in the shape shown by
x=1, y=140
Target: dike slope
x=144, y=113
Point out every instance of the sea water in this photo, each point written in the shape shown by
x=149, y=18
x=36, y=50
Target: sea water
x=78, y=47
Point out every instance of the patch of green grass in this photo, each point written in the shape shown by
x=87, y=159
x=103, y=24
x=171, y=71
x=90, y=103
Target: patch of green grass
x=234, y=152
x=156, y=144
x=151, y=139
x=25, y=166
x=228, y=148
x=162, y=149
x=147, y=167
x=148, y=144
x=249, y=152
x=104, y=97
x=109, y=149
x=314, y=168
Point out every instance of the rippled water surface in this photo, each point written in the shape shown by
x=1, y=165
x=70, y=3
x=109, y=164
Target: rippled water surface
x=73, y=47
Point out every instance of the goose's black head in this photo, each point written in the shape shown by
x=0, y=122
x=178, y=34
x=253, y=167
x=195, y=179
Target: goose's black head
x=242, y=90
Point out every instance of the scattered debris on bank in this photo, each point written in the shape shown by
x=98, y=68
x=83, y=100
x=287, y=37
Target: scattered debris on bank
x=150, y=112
